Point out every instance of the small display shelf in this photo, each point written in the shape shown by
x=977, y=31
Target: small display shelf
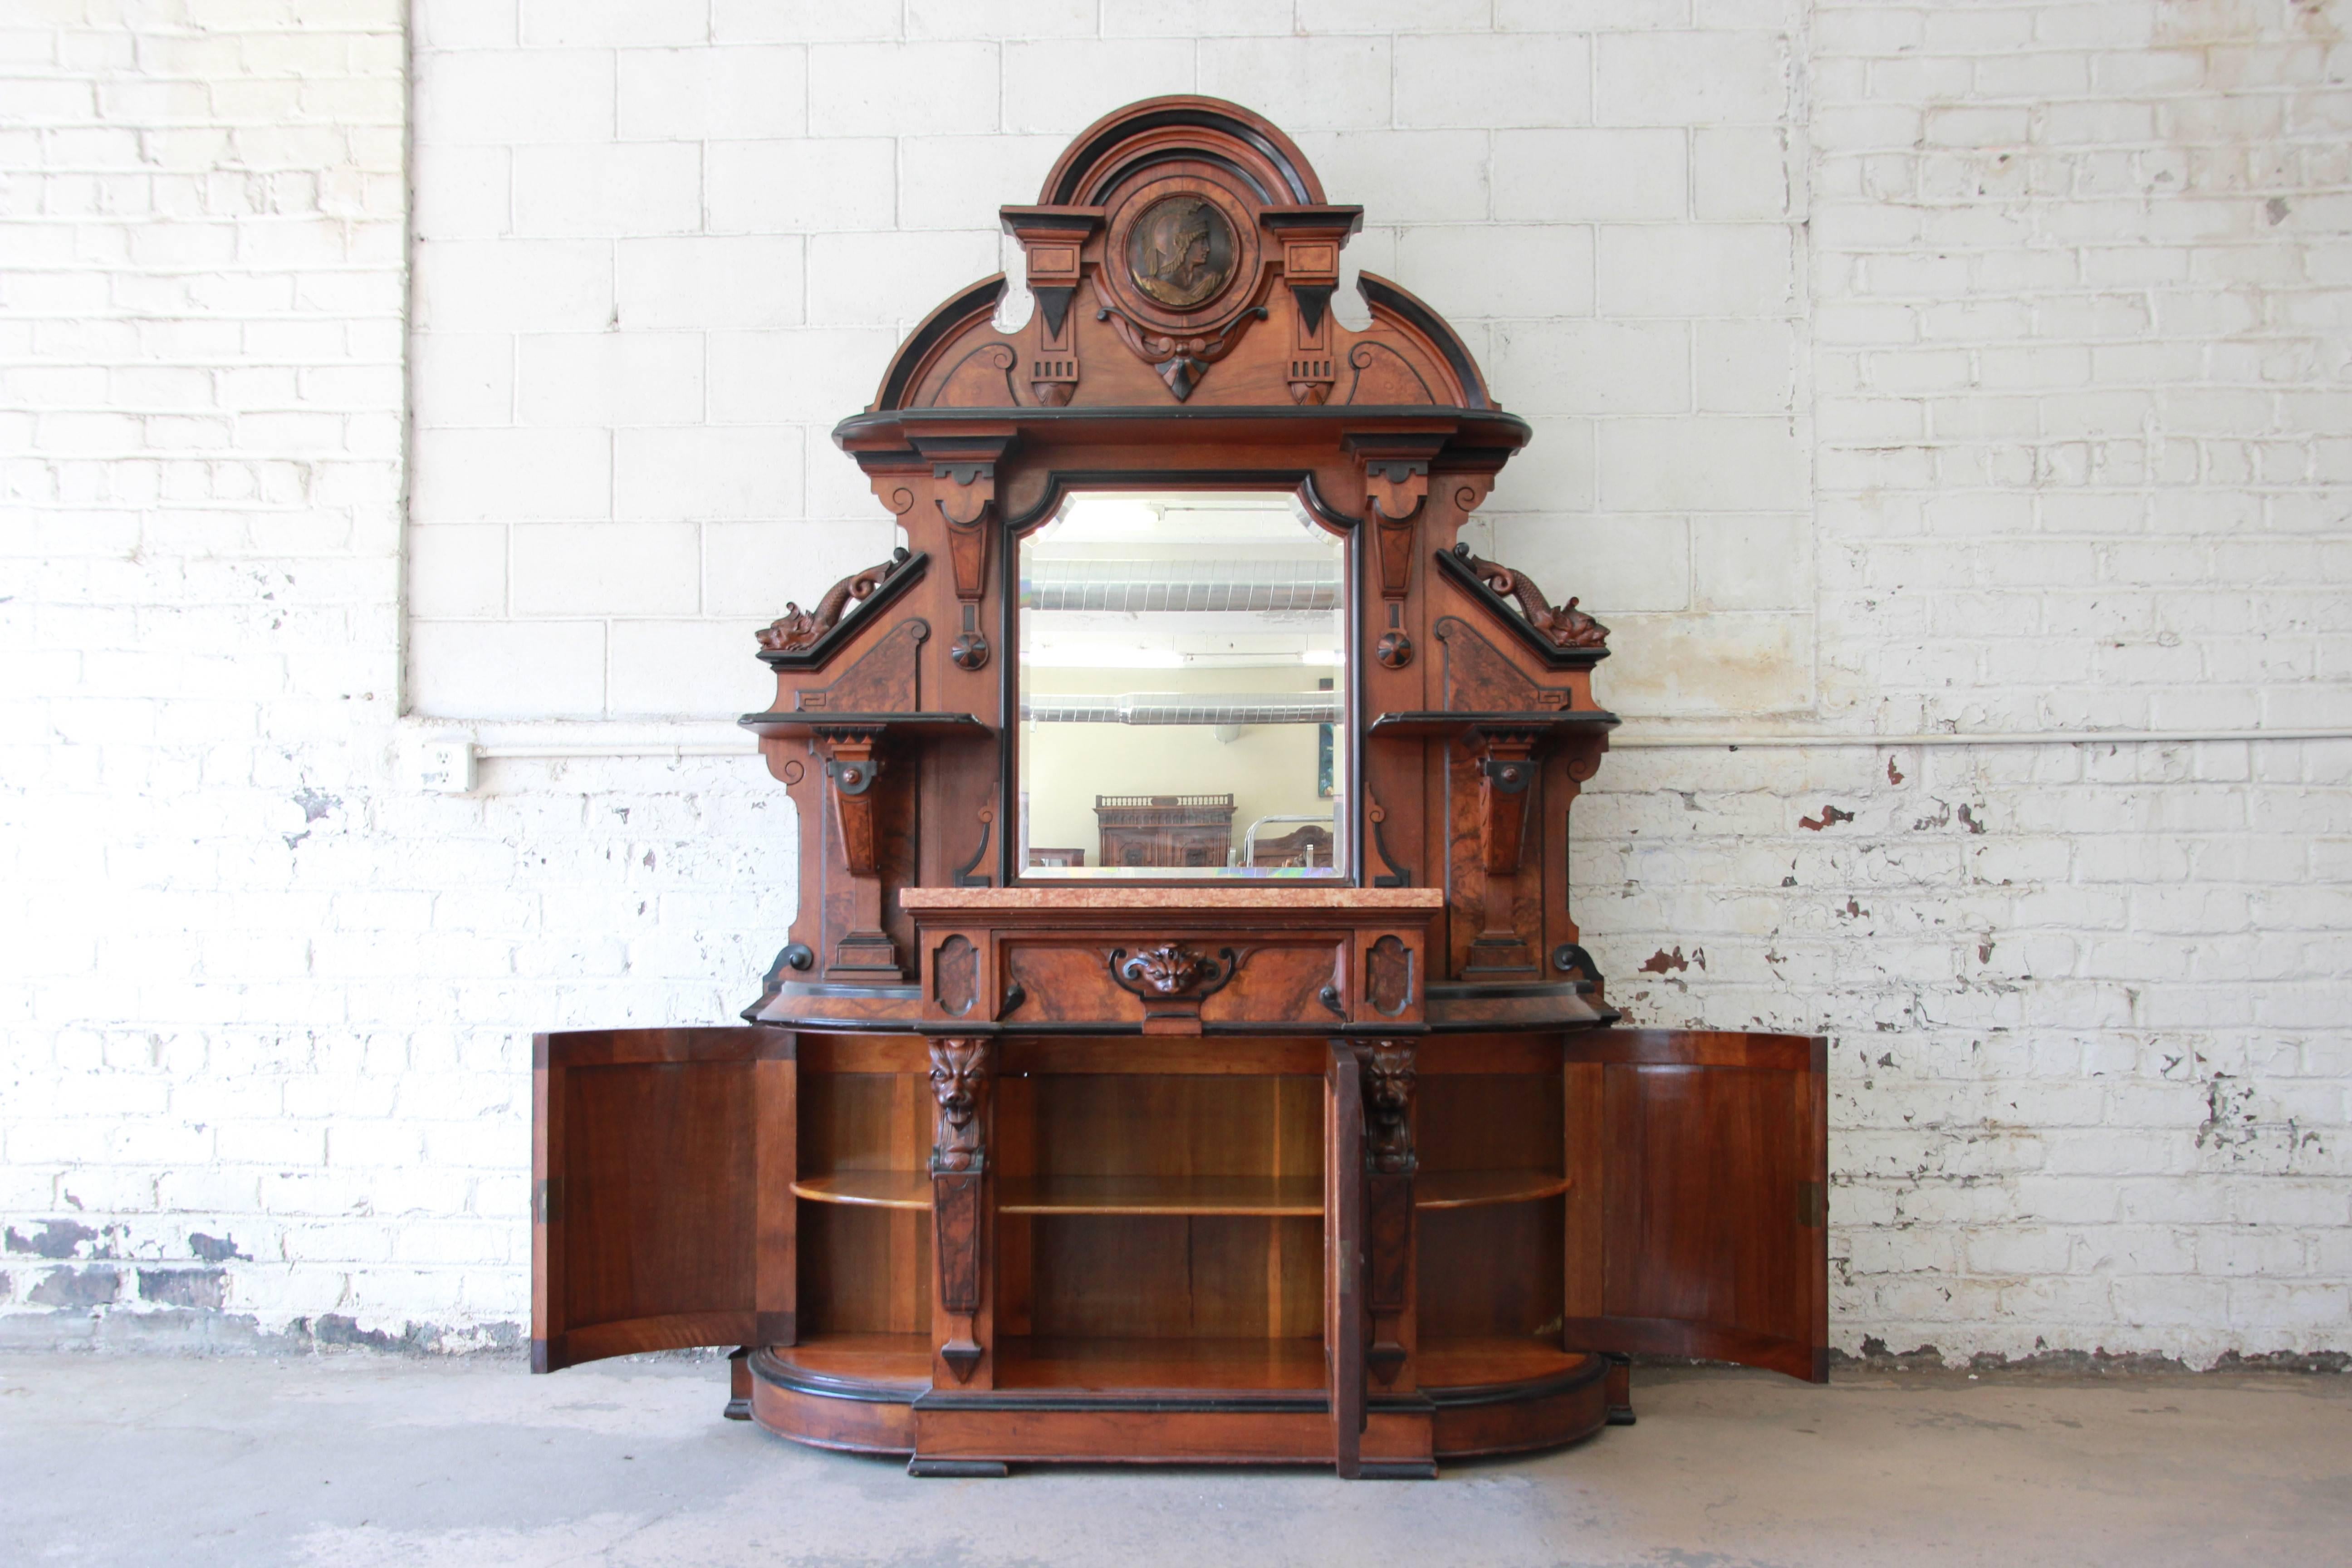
x=1473, y=1189
x=800, y=724
x=1445, y=726
x=874, y=1189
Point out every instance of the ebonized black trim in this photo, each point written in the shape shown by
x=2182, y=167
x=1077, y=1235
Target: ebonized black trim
x=851, y=993
x=964, y=878
x=1593, y=1371
x=939, y=325
x=1219, y=1404
x=1301, y=183
x=1142, y=161
x=769, y=1367
x=922, y=1468
x=1382, y=295
x=1490, y=991
x=1476, y=420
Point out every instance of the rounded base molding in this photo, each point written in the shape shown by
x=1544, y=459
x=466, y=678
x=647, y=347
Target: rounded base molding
x=885, y=1417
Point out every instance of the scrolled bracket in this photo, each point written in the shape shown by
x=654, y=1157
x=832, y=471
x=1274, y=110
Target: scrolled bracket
x=1390, y=1161
x=851, y=762
x=960, y=1077
x=1507, y=771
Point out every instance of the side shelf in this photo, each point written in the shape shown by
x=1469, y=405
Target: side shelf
x=875, y=1189
x=1475, y=1189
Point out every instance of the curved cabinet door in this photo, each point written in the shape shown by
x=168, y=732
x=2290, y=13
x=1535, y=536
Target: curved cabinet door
x=1697, y=1210
x=661, y=1202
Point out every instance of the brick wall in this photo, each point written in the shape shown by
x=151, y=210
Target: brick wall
x=1896, y=368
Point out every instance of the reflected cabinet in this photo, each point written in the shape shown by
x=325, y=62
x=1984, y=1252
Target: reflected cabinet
x=1184, y=1049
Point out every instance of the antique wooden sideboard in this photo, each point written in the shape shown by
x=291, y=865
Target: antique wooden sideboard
x=1313, y=1140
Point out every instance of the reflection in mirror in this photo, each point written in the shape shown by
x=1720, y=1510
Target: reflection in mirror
x=1183, y=672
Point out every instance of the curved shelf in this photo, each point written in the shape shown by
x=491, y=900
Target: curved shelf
x=1275, y=1196
x=872, y=1189
x=829, y=1362
x=1473, y=1189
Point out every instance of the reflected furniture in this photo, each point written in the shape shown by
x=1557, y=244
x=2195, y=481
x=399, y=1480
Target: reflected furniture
x=1164, y=830
x=1355, y=1167
x=1308, y=845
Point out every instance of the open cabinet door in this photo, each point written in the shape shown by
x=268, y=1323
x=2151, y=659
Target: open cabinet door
x=662, y=1165
x=1697, y=1214
x=1343, y=1255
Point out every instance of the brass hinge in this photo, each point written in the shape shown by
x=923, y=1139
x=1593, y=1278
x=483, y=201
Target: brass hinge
x=547, y=1201
x=1813, y=1205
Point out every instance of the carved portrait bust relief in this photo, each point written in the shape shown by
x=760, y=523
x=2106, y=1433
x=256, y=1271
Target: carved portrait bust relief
x=1181, y=251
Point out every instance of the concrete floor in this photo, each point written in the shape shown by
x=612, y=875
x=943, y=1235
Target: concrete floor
x=372, y=1462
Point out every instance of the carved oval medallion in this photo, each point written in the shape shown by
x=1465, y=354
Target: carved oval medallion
x=1181, y=251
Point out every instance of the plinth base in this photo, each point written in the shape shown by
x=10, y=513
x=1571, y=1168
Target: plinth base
x=1250, y=1402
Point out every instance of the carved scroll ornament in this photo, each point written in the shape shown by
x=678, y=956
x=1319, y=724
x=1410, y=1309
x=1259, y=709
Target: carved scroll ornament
x=797, y=628
x=1563, y=626
x=1170, y=969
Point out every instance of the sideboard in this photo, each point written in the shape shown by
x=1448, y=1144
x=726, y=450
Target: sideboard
x=1337, y=1154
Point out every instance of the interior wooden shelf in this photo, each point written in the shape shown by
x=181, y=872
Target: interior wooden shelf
x=872, y=1358
x=1160, y=1194
x=1470, y=1189
x=1482, y=1361
x=872, y=1189
x=1275, y=1195
x=1160, y=1363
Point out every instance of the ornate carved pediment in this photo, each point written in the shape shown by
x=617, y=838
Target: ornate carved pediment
x=1182, y=251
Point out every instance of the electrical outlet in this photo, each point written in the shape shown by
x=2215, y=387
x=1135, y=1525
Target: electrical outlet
x=445, y=767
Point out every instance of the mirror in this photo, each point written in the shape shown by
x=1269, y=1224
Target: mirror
x=1184, y=684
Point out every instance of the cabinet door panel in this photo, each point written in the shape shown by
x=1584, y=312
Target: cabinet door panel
x=1697, y=1223
x=661, y=1209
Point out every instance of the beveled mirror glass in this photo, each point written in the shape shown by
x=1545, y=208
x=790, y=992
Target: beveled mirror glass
x=1183, y=670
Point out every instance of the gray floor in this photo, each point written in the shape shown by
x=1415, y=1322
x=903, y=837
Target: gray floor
x=360, y=1461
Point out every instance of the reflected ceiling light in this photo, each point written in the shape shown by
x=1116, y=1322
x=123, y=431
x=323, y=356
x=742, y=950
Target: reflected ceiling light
x=1101, y=656
x=1105, y=517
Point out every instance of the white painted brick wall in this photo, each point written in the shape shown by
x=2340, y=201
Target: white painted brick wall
x=1893, y=368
